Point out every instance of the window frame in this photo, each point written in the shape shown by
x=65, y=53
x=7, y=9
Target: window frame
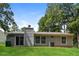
x=52, y=36
x=20, y=40
x=43, y=40
x=64, y=42
x=35, y=40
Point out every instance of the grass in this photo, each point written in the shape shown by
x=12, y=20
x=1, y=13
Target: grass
x=38, y=51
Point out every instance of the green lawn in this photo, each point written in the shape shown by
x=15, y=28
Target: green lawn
x=38, y=51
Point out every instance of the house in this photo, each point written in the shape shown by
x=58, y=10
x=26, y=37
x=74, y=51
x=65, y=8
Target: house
x=2, y=37
x=31, y=38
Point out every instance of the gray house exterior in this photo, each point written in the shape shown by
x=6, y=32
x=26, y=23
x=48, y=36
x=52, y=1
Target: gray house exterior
x=31, y=38
x=2, y=37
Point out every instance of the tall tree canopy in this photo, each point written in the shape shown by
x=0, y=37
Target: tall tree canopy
x=57, y=17
x=73, y=26
x=6, y=17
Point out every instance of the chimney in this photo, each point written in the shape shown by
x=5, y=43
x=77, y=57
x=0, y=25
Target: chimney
x=28, y=29
x=28, y=36
x=29, y=26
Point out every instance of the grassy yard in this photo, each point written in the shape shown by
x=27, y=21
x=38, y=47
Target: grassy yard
x=38, y=51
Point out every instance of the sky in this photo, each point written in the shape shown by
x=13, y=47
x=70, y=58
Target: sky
x=28, y=13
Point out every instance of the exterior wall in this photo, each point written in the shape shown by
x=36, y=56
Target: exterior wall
x=29, y=34
x=2, y=37
x=69, y=41
x=57, y=41
x=40, y=44
x=12, y=39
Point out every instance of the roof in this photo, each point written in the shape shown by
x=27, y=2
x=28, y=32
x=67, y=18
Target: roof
x=53, y=33
x=44, y=33
x=15, y=32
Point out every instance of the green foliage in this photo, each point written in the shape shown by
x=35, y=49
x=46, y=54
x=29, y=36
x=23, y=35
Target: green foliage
x=6, y=16
x=74, y=25
x=50, y=21
x=14, y=27
x=8, y=43
x=42, y=26
x=56, y=16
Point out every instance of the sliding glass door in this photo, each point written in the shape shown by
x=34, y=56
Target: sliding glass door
x=19, y=40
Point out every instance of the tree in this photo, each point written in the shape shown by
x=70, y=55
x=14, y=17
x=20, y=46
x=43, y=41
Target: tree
x=67, y=9
x=73, y=26
x=42, y=26
x=23, y=29
x=50, y=21
x=6, y=16
x=14, y=27
x=57, y=15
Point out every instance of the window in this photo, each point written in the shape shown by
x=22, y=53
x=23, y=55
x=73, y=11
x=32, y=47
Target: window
x=63, y=40
x=51, y=36
x=37, y=39
x=19, y=40
x=43, y=40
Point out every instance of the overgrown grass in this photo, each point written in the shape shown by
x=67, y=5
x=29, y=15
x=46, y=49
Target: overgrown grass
x=38, y=51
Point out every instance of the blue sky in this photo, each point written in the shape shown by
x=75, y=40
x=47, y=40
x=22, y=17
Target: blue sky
x=28, y=13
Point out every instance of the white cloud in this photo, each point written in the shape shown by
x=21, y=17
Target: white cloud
x=23, y=23
x=35, y=27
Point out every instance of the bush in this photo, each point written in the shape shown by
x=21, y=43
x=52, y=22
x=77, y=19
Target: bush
x=8, y=44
